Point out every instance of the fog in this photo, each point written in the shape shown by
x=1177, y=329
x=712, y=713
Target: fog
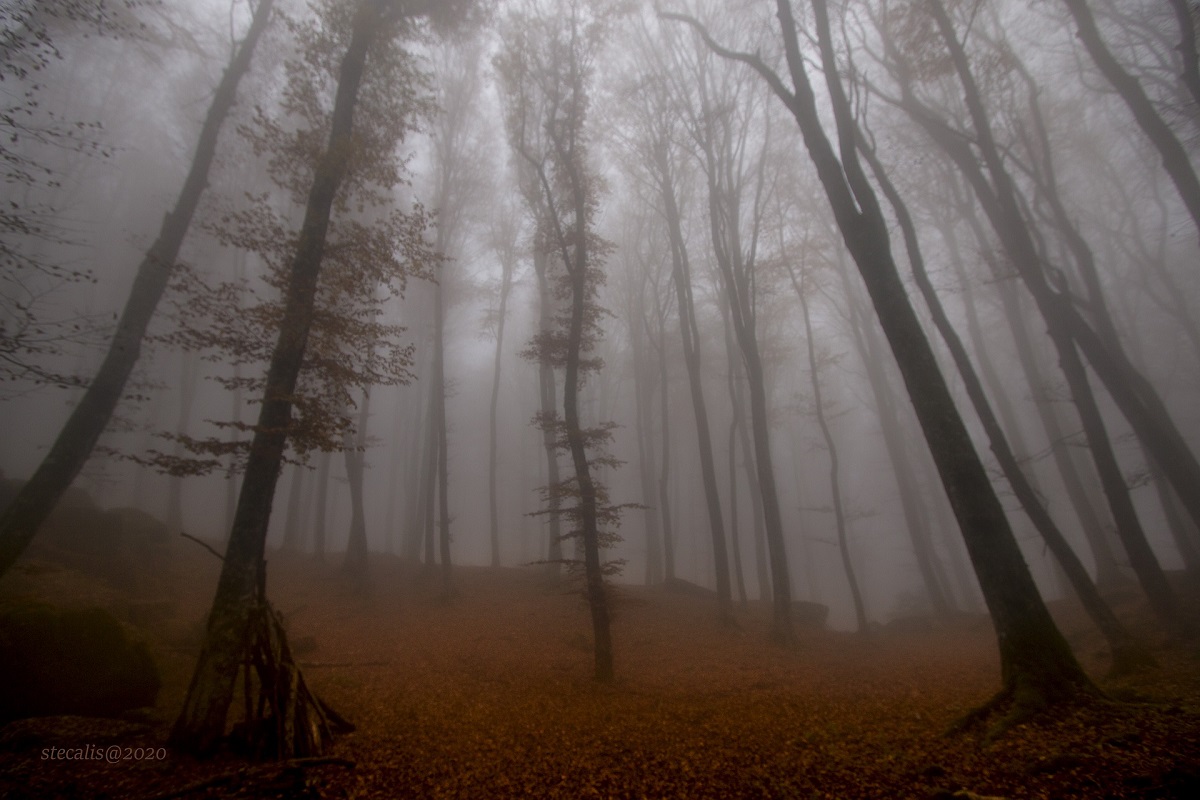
x=553, y=171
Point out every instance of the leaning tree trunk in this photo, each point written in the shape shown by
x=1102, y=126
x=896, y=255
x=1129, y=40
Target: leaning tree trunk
x=20, y=521
x=238, y=602
x=1065, y=328
x=1127, y=653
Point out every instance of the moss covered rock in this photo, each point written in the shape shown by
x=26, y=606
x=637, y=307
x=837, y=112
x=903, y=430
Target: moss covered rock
x=71, y=661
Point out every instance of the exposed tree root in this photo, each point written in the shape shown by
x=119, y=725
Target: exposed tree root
x=1020, y=702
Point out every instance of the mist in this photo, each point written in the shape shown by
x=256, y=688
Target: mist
x=836, y=336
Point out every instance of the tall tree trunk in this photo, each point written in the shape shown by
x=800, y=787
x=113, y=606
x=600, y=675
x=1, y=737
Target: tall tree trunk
x=737, y=288
x=737, y=403
x=643, y=393
x=1093, y=524
x=664, y=474
x=493, y=448
x=443, y=454
x=681, y=277
x=835, y=479
x=356, y=563
x=429, y=479
x=549, y=412
x=19, y=522
x=201, y=723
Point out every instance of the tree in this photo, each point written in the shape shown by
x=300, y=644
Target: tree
x=242, y=628
x=20, y=520
x=547, y=69
x=1037, y=666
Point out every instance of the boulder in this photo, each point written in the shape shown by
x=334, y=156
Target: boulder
x=71, y=661
x=809, y=615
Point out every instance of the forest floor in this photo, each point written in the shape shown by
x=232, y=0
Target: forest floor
x=491, y=696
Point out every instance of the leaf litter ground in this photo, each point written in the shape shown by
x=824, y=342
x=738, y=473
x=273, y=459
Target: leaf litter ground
x=490, y=696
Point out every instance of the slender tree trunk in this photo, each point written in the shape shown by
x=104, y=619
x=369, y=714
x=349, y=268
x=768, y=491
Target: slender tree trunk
x=356, y=564
x=201, y=723
x=19, y=522
x=1093, y=524
x=835, y=480
x=737, y=403
x=429, y=477
x=734, y=522
x=493, y=448
x=643, y=392
x=549, y=412
x=443, y=449
x=664, y=474
x=737, y=288
x=681, y=276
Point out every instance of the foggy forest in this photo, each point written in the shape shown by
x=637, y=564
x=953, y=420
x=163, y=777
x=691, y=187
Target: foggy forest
x=600, y=398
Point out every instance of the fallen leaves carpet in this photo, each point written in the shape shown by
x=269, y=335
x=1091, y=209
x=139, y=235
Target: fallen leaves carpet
x=490, y=696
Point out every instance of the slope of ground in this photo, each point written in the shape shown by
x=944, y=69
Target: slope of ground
x=490, y=696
